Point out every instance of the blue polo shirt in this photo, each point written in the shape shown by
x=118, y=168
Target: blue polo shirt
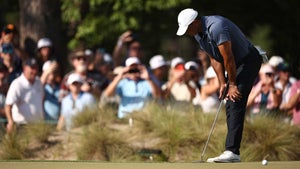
x=133, y=94
x=216, y=30
x=71, y=107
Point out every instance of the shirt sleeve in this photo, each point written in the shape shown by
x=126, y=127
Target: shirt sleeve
x=13, y=94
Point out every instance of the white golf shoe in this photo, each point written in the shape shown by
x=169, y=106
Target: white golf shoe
x=225, y=157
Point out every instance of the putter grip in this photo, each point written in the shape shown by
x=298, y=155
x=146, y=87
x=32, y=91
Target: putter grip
x=224, y=93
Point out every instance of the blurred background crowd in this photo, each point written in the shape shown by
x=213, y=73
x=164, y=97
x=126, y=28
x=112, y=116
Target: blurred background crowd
x=59, y=57
x=34, y=88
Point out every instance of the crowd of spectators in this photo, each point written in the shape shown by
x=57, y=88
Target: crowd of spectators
x=34, y=88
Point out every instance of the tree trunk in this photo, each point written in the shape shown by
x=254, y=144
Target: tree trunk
x=38, y=19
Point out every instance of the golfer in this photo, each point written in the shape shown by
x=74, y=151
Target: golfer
x=230, y=52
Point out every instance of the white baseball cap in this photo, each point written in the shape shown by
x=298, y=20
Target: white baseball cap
x=175, y=61
x=275, y=60
x=44, y=42
x=185, y=18
x=191, y=65
x=47, y=65
x=157, y=61
x=266, y=68
x=132, y=60
x=74, y=77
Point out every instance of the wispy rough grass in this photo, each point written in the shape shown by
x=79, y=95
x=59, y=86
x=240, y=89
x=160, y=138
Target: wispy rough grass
x=175, y=133
x=12, y=147
x=183, y=131
x=38, y=131
x=270, y=136
x=100, y=143
x=15, y=145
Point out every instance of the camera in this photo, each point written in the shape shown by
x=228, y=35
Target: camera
x=134, y=70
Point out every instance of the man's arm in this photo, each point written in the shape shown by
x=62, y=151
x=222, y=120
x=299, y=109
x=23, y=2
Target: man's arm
x=230, y=67
x=10, y=122
x=124, y=38
x=292, y=102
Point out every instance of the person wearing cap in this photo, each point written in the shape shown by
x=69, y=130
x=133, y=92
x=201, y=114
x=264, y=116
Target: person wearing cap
x=177, y=87
x=8, y=34
x=51, y=80
x=134, y=86
x=284, y=81
x=24, y=99
x=75, y=102
x=94, y=83
x=182, y=84
x=264, y=97
x=230, y=51
x=159, y=70
x=45, y=52
x=14, y=64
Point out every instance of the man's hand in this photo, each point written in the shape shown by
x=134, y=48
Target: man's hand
x=234, y=93
x=10, y=127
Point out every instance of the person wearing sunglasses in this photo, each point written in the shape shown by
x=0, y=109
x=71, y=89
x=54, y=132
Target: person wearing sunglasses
x=264, y=97
x=75, y=102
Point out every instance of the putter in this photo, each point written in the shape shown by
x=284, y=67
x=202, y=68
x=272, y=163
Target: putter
x=215, y=121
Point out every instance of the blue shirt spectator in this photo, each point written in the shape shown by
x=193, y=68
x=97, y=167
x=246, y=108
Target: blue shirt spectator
x=134, y=95
x=71, y=107
x=51, y=102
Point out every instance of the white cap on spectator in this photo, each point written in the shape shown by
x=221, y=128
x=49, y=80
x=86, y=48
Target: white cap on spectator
x=275, y=60
x=107, y=58
x=175, y=61
x=47, y=65
x=44, y=42
x=191, y=65
x=266, y=68
x=132, y=60
x=210, y=73
x=74, y=77
x=88, y=52
x=157, y=61
x=185, y=18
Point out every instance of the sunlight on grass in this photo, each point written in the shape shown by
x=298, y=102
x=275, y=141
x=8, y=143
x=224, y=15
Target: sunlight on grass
x=172, y=133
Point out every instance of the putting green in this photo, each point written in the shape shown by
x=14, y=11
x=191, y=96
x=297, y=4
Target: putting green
x=99, y=165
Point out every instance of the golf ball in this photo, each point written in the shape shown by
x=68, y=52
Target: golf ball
x=264, y=162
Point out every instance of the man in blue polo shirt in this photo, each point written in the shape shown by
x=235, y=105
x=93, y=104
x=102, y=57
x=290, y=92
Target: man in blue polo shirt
x=134, y=86
x=229, y=51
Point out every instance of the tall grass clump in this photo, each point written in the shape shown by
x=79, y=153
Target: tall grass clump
x=86, y=117
x=38, y=131
x=270, y=137
x=182, y=130
x=12, y=147
x=102, y=143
